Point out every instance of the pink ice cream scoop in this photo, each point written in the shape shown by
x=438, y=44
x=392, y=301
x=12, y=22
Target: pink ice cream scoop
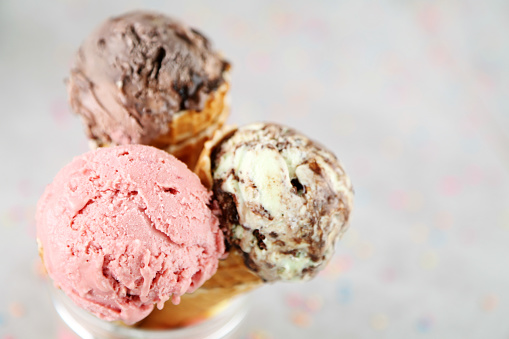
x=127, y=227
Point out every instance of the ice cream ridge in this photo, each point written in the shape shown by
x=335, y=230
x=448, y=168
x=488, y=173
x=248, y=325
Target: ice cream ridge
x=145, y=78
x=284, y=199
x=121, y=229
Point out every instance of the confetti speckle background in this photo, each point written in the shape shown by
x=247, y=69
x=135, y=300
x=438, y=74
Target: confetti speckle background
x=411, y=95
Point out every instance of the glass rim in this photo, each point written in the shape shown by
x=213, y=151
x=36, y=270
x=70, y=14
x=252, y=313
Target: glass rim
x=88, y=326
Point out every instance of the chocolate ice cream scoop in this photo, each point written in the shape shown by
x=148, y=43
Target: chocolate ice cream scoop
x=136, y=72
x=285, y=200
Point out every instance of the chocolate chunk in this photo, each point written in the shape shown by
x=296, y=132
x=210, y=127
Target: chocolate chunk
x=229, y=215
x=280, y=243
x=291, y=252
x=260, y=237
x=298, y=187
x=313, y=165
x=249, y=262
x=309, y=270
x=261, y=211
x=170, y=190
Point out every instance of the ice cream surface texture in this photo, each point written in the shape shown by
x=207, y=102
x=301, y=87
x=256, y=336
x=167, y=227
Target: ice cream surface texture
x=127, y=227
x=285, y=200
x=135, y=72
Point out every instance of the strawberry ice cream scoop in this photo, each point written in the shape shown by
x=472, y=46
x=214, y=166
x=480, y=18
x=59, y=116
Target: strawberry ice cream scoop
x=124, y=228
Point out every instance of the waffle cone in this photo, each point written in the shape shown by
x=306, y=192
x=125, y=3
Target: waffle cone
x=189, y=130
x=203, y=166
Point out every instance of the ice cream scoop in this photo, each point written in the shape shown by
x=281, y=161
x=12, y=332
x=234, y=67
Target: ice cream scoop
x=127, y=227
x=146, y=78
x=285, y=199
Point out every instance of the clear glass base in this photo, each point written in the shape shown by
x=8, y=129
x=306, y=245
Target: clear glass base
x=224, y=325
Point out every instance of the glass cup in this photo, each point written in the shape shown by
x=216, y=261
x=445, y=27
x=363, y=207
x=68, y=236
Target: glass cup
x=226, y=324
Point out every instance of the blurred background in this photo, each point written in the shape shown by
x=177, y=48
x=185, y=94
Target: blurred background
x=412, y=96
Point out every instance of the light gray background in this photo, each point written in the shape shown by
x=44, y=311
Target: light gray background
x=411, y=95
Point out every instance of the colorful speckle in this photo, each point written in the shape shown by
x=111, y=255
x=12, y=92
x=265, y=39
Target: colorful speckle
x=450, y=186
x=294, y=300
x=258, y=63
x=444, y=220
x=398, y=200
x=6, y=220
x=39, y=269
x=301, y=318
x=337, y=266
x=489, y=302
x=345, y=293
x=379, y=322
x=424, y=324
x=429, y=260
x=14, y=215
x=16, y=310
x=314, y=303
x=415, y=201
x=303, y=307
x=430, y=17
x=259, y=334
x=403, y=200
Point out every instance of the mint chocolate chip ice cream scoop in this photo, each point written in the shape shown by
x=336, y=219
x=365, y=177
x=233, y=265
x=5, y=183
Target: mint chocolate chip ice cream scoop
x=285, y=200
